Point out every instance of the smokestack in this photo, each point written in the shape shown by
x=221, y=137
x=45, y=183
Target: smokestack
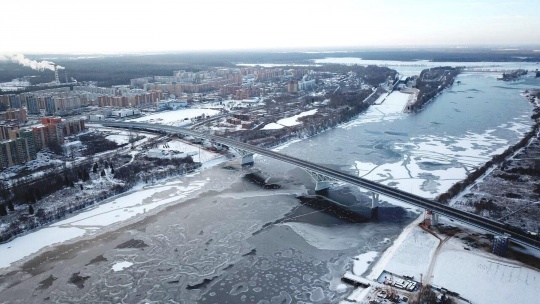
x=56, y=75
x=33, y=64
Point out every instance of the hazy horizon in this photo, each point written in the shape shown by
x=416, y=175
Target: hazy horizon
x=530, y=48
x=108, y=27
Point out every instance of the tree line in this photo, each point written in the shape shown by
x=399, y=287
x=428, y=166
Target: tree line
x=71, y=182
x=428, y=88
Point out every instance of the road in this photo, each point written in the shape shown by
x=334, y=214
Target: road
x=492, y=226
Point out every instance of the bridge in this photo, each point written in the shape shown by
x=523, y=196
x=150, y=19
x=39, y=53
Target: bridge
x=486, y=70
x=324, y=176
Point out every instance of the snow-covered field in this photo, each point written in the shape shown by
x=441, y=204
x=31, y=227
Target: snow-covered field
x=272, y=126
x=200, y=155
x=176, y=118
x=362, y=262
x=386, y=108
x=414, y=255
x=390, y=253
x=483, y=278
x=33, y=242
x=122, y=137
x=293, y=120
x=476, y=275
x=289, y=121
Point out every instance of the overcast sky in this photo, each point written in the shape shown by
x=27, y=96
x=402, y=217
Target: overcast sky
x=109, y=26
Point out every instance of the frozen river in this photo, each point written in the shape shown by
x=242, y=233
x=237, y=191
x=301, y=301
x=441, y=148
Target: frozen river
x=223, y=239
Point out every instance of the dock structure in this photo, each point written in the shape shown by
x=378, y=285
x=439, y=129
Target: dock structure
x=355, y=280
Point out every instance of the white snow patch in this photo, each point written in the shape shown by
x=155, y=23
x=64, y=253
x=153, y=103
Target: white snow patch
x=386, y=108
x=128, y=206
x=272, y=126
x=30, y=243
x=176, y=118
x=361, y=262
x=481, y=279
x=389, y=253
x=119, y=138
x=414, y=255
x=289, y=121
x=293, y=120
x=200, y=155
x=121, y=266
x=341, y=288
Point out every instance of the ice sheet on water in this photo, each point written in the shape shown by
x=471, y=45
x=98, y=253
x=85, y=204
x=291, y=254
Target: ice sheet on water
x=361, y=262
x=325, y=237
x=433, y=164
x=121, y=266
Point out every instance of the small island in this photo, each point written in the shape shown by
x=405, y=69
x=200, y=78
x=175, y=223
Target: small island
x=514, y=75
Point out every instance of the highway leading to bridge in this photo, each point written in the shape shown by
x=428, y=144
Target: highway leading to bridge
x=492, y=226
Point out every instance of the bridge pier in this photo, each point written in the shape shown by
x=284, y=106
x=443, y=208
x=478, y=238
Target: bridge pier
x=500, y=243
x=321, y=185
x=322, y=182
x=430, y=218
x=434, y=218
x=374, y=200
x=374, y=205
x=247, y=159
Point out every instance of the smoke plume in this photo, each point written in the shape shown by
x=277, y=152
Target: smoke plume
x=33, y=64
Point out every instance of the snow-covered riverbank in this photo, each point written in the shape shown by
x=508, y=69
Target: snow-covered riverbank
x=120, y=209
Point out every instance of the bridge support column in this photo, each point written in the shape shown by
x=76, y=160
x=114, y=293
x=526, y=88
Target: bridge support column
x=500, y=243
x=247, y=156
x=247, y=159
x=430, y=218
x=322, y=185
x=434, y=219
x=322, y=182
x=374, y=205
x=374, y=200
